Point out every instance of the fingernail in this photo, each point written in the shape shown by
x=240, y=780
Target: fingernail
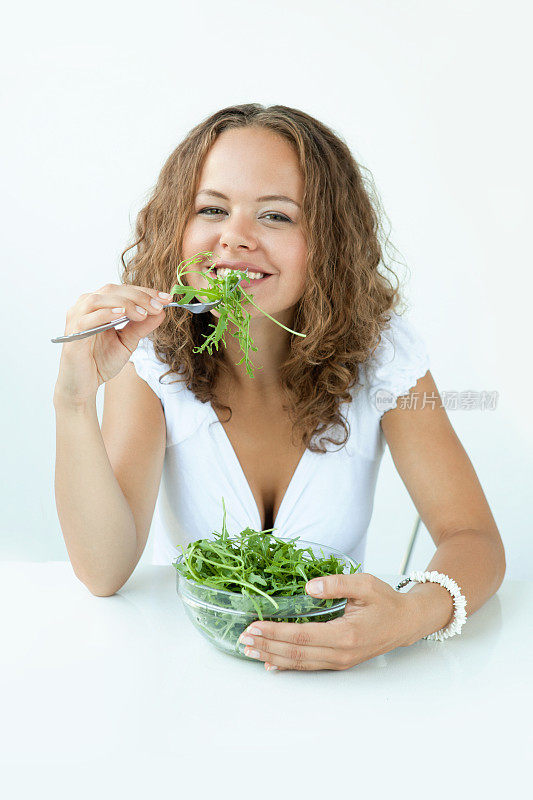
x=271, y=667
x=156, y=303
x=165, y=295
x=315, y=587
x=141, y=310
x=254, y=631
x=117, y=310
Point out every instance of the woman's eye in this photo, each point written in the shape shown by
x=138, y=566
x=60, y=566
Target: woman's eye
x=203, y=210
x=281, y=217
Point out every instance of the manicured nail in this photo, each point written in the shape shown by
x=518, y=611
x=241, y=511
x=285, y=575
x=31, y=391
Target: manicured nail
x=252, y=653
x=165, y=295
x=315, y=587
x=117, y=310
x=270, y=667
x=254, y=631
x=246, y=640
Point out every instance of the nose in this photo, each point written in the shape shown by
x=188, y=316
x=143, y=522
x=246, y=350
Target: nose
x=236, y=233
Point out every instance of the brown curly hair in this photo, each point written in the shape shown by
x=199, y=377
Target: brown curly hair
x=346, y=300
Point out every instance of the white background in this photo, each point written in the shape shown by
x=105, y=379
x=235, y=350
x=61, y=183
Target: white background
x=432, y=96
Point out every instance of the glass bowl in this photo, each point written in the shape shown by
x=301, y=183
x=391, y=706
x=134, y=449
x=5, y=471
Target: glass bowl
x=221, y=616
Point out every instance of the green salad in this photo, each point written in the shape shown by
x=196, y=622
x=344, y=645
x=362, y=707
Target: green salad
x=232, y=581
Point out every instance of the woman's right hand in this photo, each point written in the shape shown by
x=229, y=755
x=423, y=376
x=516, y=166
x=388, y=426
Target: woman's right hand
x=87, y=363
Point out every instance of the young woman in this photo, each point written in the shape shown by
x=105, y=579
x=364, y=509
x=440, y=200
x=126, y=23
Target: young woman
x=298, y=446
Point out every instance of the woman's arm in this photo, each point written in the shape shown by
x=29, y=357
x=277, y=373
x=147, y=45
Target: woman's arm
x=445, y=489
x=106, y=480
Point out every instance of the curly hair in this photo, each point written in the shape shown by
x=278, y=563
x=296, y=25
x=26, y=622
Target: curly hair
x=346, y=299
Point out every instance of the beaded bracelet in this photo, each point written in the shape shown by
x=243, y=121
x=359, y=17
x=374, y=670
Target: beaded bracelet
x=459, y=601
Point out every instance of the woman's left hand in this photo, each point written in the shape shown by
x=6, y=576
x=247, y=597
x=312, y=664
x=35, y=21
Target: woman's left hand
x=377, y=618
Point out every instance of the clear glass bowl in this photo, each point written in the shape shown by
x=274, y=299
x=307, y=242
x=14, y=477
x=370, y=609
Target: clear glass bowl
x=222, y=616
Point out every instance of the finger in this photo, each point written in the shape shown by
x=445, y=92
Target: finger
x=138, y=306
x=88, y=321
x=359, y=586
x=272, y=667
x=300, y=659
x=317, y=634
x=133, y=291
x=297, y=656
x=142, y=295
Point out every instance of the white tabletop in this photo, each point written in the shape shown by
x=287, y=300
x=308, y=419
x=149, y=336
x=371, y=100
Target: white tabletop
x=120, y=697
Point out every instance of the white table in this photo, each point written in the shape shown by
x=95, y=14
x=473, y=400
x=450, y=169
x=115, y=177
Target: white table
x=114, y=697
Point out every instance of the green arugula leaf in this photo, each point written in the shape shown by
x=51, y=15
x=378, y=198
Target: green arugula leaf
x=253, y=559
x=232, y=298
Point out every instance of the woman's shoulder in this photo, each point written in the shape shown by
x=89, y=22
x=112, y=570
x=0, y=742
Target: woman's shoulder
x=151, y=368
x=184, y=413
x=398, y=361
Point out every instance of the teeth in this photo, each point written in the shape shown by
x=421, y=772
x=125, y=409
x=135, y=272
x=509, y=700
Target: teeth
x=223, y=272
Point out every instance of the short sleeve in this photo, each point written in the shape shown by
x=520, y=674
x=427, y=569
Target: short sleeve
x=148, y=367
x=399, y=360
x=184, y=413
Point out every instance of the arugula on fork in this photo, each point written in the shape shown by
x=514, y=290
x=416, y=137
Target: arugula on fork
x=232, y=298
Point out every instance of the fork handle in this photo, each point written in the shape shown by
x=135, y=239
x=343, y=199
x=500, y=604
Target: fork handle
x=91, y=332
x=99, y=328
x=189, y=306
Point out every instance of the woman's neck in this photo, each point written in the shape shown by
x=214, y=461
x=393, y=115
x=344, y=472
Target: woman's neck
x=273, y=344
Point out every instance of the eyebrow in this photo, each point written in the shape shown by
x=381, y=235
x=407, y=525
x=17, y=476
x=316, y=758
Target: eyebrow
x=213, y=193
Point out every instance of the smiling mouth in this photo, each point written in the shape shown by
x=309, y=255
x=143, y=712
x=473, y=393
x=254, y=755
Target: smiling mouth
x=223, y=272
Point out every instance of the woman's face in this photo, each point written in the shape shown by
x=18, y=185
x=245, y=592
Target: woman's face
x=247, y=166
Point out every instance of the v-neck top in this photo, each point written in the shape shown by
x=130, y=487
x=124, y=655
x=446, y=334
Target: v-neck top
x=330, y=497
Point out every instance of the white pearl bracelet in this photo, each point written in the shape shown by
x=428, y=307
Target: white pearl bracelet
x=459, y=601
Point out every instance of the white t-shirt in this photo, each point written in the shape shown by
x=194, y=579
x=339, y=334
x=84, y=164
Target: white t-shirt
x=330, y=497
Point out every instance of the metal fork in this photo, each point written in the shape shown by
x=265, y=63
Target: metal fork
x=195, y=308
